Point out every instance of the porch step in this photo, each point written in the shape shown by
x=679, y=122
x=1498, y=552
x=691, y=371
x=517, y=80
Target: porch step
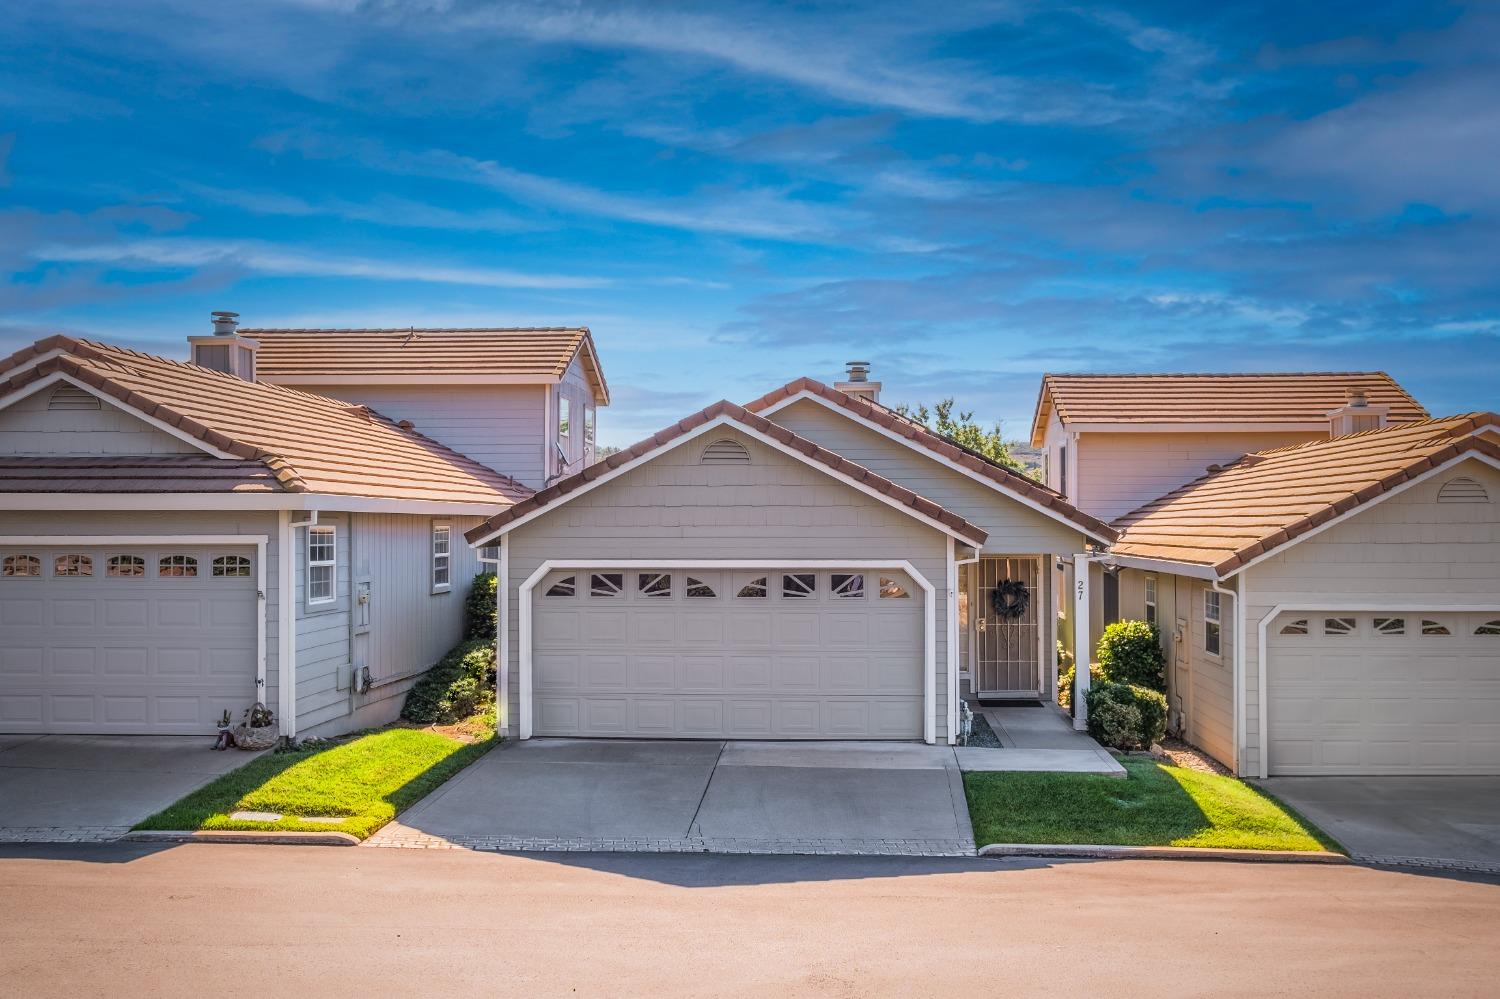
x=1064, y=761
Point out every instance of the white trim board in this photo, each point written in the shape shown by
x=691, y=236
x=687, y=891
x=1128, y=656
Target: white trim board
x=243, y=501
x=259, y=541
x=48, y=381
x=695, y=433
x=1262, y=677
x=929, y=614
x=886, y=432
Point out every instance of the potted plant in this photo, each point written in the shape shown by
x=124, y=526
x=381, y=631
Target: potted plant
x=259, y=729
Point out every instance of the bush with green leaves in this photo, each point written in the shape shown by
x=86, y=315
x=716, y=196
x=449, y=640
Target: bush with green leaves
x=460, y=685
x=1126, y=716
x=479, y=608
x=1066, y=678
x=1130, y=652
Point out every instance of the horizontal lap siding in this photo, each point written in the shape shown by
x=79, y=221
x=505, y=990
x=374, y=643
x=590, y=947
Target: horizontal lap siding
x=774, y=508
x=322, y=634
x=498, y=425
x=1408, y=547
x=1118, y=473
x=1014, y=528
x=30, y=428
x=173, y=522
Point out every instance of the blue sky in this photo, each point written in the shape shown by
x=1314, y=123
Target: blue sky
x=734, y=195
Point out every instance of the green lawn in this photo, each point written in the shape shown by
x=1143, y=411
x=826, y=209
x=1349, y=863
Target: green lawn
x=1155, y=805
x=367, y=780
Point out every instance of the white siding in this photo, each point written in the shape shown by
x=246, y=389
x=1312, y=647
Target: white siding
x=498, y=425
x=29, y=428
x=1408, y=548
x=1014, y=528
x=775, y=508
x=1118, y=473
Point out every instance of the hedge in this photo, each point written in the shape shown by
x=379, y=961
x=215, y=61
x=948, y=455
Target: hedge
x=1126, y=716
x=1130, y=652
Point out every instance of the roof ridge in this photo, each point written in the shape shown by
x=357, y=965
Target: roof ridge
x=258, y=330
x=1212, y=374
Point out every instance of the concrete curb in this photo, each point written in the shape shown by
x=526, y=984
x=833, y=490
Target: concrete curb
x=1160, y=853
x=265, y=838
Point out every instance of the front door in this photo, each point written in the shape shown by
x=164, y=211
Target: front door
x=1005, y=634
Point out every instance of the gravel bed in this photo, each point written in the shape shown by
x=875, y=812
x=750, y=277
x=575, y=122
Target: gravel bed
x=982, y=736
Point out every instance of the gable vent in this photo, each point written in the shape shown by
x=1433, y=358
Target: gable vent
x=72, y=397
x=726, y=452
x=1462, y=490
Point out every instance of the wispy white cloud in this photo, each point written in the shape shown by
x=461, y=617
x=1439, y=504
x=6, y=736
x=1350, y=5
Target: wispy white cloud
x=270, y=259
x=381, y=210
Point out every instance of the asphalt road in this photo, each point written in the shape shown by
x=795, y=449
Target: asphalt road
x=260, y=921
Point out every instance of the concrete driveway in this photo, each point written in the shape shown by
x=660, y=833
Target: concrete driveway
x=680, y=796
x=76, y=788
x=1443, y=821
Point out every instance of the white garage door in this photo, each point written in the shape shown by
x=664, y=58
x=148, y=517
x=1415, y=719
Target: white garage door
x=1384, y=693
x=128, y=640
x=717, y=654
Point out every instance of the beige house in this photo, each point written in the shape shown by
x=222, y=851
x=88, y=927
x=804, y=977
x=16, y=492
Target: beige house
x=810, y=566
x=181, y=540
x=1332, y=607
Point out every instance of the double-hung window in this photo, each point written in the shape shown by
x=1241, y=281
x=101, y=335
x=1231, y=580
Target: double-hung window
x=590, y=427
x=1211, y=623
x=322, y=565
x=1151, y=600
x=442, y=553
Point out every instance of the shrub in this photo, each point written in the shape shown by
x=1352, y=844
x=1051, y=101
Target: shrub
x=479, y=608
x=1130, y=652
x=1126, y=716
x=461, y=684
x=1065, y=682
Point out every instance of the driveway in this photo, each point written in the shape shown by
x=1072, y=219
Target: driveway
x=680, y=796
x=90, y=788
x=1445, y=821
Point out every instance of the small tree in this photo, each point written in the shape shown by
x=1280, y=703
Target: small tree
x=963, y=431
x=479, y=608
x=1130, y=652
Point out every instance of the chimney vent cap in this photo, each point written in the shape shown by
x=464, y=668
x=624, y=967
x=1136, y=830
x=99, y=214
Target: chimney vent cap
x=225, y=322
x=1356, y=397
x=859, y=371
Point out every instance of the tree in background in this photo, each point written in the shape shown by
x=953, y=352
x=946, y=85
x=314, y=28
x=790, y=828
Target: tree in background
x=964, y=432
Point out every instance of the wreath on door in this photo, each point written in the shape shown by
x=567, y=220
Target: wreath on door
x=1010, y=599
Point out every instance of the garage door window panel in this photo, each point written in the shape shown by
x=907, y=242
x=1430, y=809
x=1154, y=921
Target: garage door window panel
x=754, y=588
x=231, y=567
x=1491, y=628
x=799, y=585
x=177, y=566
x=655, y=585
x=1434, y=629
x=847, y=586
x=1390, y=627
x=73, y=565
x=606, y=584
x=565, y=587
x=891, y=589
x=1295, y=628
x=125, y=566
x=1340, y=627
x=698, y=589
x=29, y=566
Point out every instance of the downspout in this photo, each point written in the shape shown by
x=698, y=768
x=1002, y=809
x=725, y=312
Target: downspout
x=953, y=638
x=502, y=641
x=1238, y=671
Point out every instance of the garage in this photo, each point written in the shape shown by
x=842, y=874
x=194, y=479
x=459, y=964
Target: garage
x=126, y=639
x=711, y=653
x=1386, y=692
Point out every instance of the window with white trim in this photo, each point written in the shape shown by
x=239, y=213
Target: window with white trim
x=1212, y=623
x=1335, y=627
x=1297, y=627
x=590, y=426
x=442, y=556
x=125, y=565
x=322, y=564
x=891, y=589
x=1434, y=629
x=654, y=584
x=754, y=589
x=606, y=584
x=1151, y=600
x=699, y=589
x=231, y=567
x=565, y=587
x=1391, y=626
x=21, y=565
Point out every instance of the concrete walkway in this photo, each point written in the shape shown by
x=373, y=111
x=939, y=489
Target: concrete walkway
x=694, y=797
x=1037, y=738
x=79, y=788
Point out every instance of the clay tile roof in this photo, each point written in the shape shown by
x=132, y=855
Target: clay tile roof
x=305, y=442
x=538, y=352
x=1007, y=479
x=1295, y=397
x=176, y=473
x=560, y=489
x=1266, y=499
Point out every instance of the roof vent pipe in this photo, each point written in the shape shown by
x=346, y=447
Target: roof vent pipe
x=225, y=323
x=858, y=383
x=1355, y=398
